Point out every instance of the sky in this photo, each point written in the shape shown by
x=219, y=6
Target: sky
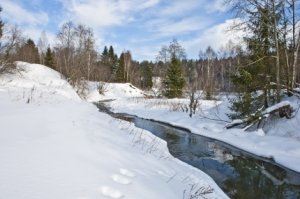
x=140, y=26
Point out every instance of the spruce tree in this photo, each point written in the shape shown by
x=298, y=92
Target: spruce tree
x=28, y=52
x=111, y=55
x=120, y=73
x=105, y=55
x=49, y=58
x=1, y=24
x=174, y=81
x=252, y=80
x=112, y=61
x=147, y=74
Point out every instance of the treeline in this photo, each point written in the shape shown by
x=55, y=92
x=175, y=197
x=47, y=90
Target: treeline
x=260, y=71
x=74, y=55
x=210, y=73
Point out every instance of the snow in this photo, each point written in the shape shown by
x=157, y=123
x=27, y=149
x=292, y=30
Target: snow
x=279, y=140
x=119, y=91
x=55, y=145
x=277, y=106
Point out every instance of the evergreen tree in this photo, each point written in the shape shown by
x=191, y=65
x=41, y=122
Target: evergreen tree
x=112, y=61
x=147, y=74
x=105, y=55
x=252, y=81
x=105, y=52
x=28, y=52
x=49, y=58
x=174, y=81
x=120, y=73
x=1, y=24
x=111, y=55
x=245, y=102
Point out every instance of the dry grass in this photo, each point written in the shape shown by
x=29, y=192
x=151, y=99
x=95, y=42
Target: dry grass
x=174, y=105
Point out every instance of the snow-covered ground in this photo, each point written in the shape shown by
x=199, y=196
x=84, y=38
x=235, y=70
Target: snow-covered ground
x=279, y=140
x=55, y=145
x=112, y=91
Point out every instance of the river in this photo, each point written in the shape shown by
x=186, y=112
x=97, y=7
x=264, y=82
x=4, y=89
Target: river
x=239, y=174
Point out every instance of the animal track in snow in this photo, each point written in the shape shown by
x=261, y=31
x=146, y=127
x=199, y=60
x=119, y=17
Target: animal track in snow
x=120, y=179
x=110, y=192
x=127, y=173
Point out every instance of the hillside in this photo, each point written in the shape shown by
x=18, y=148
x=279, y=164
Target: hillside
x=55, y=145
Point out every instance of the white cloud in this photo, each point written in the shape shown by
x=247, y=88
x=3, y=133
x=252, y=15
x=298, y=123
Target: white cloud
x=105, y=13
x=16, y=14
x=35, y=34
x=216, y=6
x=176, y=27
x=179, y=7
x=148, y=4
x=216, y=37
x=97, y=13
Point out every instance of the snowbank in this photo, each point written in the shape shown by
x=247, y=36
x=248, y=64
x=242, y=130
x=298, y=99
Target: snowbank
x=281, y=142
x=56, y=146
x=35, y=81
x=112, y=91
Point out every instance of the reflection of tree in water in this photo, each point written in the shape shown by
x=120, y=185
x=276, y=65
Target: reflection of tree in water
x=253, y=181
x=171, y=136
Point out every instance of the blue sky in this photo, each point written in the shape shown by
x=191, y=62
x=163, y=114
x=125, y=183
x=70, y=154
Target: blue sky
x=141, y=26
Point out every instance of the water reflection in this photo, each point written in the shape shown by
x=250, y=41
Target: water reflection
x=238, y=174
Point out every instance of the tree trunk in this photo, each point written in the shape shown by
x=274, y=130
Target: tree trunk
x=295, y=61
x=278, y=87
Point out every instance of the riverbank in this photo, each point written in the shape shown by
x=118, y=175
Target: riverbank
x=55, y=145
x=281, y=143
x=269, y=146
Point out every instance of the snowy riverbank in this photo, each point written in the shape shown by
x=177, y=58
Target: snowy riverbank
x=281, y=142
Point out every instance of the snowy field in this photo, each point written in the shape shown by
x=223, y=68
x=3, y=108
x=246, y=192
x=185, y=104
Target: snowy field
x=55, y=145
x=279, y=140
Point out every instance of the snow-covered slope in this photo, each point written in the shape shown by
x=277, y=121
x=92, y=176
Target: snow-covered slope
x=38, y=83
x=54, y=145
x=112, y=91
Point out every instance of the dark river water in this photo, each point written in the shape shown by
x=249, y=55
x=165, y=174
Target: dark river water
x=239, y=174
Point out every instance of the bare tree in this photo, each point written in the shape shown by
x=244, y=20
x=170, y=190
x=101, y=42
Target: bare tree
x=163, y=54
x=43, y=44
x=210, y=56
x=65, y=47
x=12, y=39
x=127, y=66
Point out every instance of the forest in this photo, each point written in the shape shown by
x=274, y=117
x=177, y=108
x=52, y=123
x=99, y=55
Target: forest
x=259, y=72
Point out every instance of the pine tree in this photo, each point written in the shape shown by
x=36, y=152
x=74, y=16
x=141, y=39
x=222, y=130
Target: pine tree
x=174, y=81
x=49, y=58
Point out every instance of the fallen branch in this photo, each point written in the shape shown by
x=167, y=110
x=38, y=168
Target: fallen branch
x=284, y=109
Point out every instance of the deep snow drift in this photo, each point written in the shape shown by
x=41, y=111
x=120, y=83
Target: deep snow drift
x=54, y=145
x=280, y=139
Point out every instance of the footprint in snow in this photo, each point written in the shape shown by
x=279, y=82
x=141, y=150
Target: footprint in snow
x=127, y=173
x=120, y=179
x=111, y=192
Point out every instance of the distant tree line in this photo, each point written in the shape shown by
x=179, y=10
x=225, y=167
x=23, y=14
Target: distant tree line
x=259, y=73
